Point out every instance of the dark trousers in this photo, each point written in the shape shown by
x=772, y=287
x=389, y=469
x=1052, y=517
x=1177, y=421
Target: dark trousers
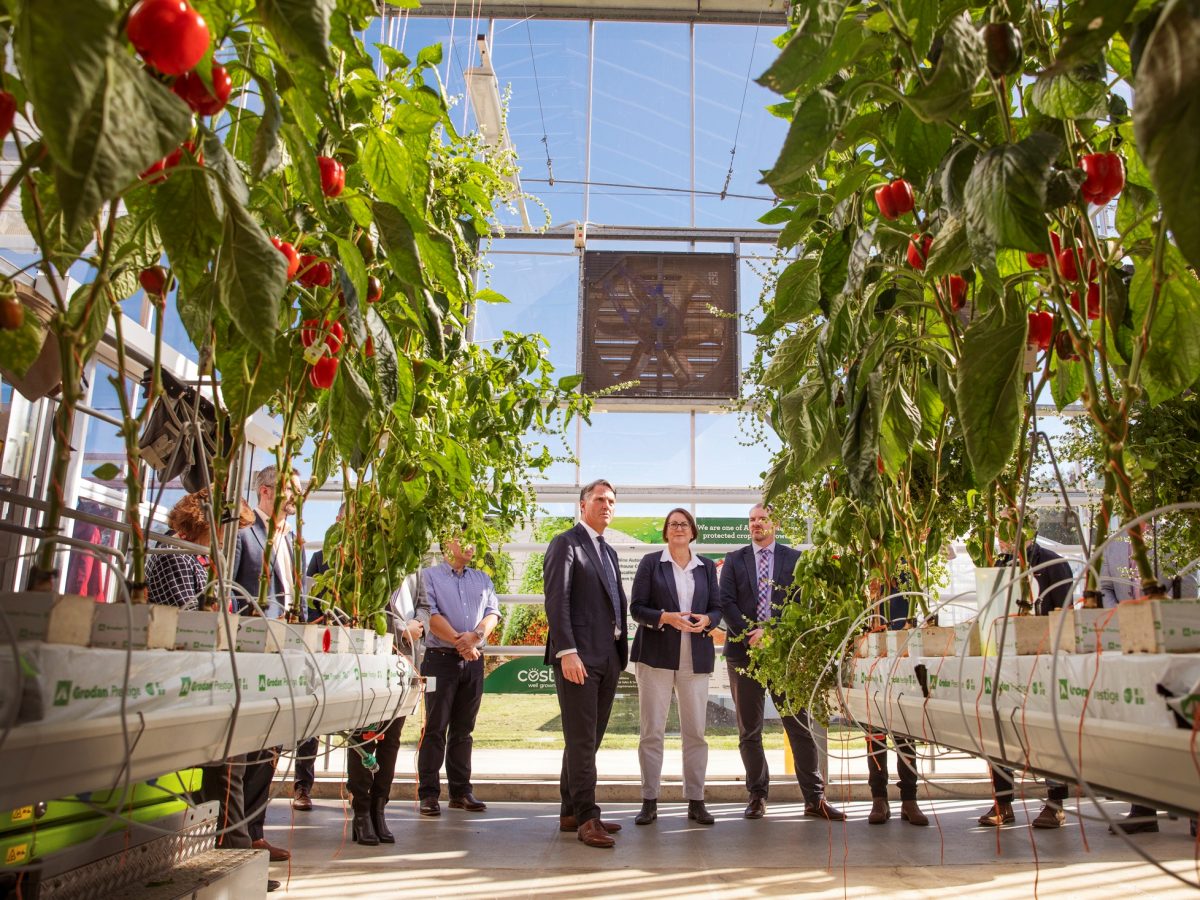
x=749, y=701
x=364, y=786
x=306, y=763
x=877, y=766
x=585, y=709
x=260, y=770
x=450, y=711
x=224, y=782
x=1002, y=785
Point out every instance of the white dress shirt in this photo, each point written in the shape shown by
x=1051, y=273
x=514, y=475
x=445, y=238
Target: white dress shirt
x=685, y=582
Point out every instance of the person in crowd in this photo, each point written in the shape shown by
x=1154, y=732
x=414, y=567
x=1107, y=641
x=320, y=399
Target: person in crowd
x=676, y=604
x=282, y=599
x=587, y=646
x=87, y=573
x=892, y=612
x=306, y=750
x=1054, y=578
x=370, y=791
x=180, y=578
x=754, y=584
x=1120, y=581
x=462, y=610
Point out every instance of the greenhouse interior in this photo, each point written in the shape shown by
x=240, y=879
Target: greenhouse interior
x=718, y=438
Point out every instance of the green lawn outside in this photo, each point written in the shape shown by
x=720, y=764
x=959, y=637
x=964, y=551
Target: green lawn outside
x=515, y=721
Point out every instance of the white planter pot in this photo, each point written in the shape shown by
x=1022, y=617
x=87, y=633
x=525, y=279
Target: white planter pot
x=1160, y=626
x=362, y=641
x=205, y=630
x=1085, y=630
x=257, y=634
x=146, y=626
x=898, y=643
x=932, y=640
x=303, y=637
x=336, y=639
x=53, y=618
x=384, y=645
x=997, y=592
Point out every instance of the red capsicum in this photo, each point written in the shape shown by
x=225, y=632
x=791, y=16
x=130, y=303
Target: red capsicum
x=1105, y=177
x=894, y=199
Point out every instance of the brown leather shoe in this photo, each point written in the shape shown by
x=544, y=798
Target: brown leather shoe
x=822, y=810
x=469, y=802
x=911, y=813
x=593, y=834
x=300, y=799
x=756, y=808
x=430, y=807
x=880, y=812
x=1051, y=816
x=999, y=814
x=568, y=823
x=278, y=854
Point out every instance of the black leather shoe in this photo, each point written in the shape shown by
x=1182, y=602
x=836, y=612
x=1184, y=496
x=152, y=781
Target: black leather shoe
x=469, y=802
x=273, y=885
x=822, y=810
x=362, y=830
x=430, y=807
x=377, y=819
x=697, y=813
x=756, y=808
x=1135, y=823
x=648, y=814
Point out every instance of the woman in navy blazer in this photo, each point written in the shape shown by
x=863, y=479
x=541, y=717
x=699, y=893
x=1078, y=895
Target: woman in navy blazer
x=676, y=604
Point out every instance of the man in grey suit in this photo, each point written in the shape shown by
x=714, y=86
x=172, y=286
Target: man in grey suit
x=754, y=583
x=588, y=647
x=286, y=563
x=282, y=598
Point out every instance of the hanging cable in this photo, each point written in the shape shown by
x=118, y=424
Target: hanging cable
x=653, y=188
x=538, y=87
x=741, y=109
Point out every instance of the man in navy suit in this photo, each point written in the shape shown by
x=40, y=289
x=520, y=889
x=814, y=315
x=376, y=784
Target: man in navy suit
x=588, y=647
x=286, y=563
x=754, y=583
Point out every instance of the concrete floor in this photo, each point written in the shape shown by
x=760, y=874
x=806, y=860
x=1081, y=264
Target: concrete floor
x=516, y=850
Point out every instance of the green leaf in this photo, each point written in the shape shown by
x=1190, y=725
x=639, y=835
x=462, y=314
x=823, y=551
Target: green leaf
x=101, y=116
x=487, y=295
x=958, y=70
x=812, y=131
x=106, y=471
x=950, y=252
x=389, y=168
x=267, y=154
x=350, y=262
x=953, y=174
x=922, y=19
x=396, y=235
x=776, y=480
x=1089, y=25
x=89, y=319
x=250, y=276
x=798, y=291
x=1172, y=361
x=61, y=247
x=918, y=146
x=1068, y=382
x=816, y=22
x=990, y=389
x=189, y=213
x=1166, y=119
x=860, y=441
x=219, y=161
x=568, y=383
x=1006, y=193
x=387, y=363
x=1077, y=93
x=899, y=430
x=351, y=409
x=790, y=360
x=300, y=26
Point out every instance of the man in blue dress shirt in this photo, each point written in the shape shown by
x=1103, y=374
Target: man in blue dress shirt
x=463, y=609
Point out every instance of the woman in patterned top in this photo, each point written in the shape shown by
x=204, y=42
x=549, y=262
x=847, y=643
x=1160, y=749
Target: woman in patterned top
x=180, y=579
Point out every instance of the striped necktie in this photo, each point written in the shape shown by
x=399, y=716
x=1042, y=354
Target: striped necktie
x=764, y=585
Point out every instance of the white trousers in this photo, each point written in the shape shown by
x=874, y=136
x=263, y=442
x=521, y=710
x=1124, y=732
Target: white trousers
x=655, y=687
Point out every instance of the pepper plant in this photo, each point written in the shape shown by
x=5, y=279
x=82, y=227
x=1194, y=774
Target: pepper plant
x=903, y=352
x=317, y=219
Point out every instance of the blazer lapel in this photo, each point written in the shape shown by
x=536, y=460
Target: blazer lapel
x=700, y=594
x=589, y=547
x=666, y=571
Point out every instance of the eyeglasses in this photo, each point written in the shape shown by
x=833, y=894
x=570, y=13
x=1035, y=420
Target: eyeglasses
x=679, y=524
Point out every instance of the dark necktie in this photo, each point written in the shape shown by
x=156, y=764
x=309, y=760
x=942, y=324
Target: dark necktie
x=764, y=586
x=609, y=578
